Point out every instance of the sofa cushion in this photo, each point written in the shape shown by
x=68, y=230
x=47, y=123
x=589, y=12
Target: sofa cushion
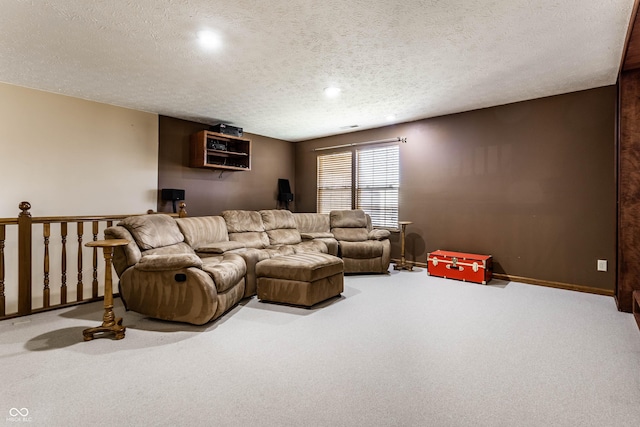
x=307, y=267
x=243, y=221
x=350, y=226
x=350, y=234
x=225, y=272
x=361, y=250
x=281, y=227
x=277, y=218
x=312, y=223
x=204, y=230
x=311, y=246
x=246, y=227
x=284, y=236
x=153, y=231
x=330, y=243
x=355, y=218
x=279, y=250
x=251, y=239
x=178, y=248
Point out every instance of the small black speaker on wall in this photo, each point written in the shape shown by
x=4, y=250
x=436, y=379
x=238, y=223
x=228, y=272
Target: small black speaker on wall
x=173, y=195
x=284, y=191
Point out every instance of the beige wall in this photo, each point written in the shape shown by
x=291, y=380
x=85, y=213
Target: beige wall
x=68, y=156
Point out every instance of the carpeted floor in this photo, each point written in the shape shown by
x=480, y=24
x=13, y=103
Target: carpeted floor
x=402, y=349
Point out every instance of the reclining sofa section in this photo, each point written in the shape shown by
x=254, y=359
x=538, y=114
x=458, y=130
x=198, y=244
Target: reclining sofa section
x=195, y=269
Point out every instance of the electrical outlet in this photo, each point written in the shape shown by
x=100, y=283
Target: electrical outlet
x=602, y=265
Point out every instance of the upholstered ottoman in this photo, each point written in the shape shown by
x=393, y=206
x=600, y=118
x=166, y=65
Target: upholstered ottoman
x=301, y=279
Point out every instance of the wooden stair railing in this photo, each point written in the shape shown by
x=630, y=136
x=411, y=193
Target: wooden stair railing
x=25, y=246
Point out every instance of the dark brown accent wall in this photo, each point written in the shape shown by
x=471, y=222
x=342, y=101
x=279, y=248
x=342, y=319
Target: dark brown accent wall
x=531, y=183
x=208, y=192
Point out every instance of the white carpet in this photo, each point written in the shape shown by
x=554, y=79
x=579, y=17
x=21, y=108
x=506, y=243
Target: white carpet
x=402, y=349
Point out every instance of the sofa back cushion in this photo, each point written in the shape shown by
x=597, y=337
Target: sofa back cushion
x=153, y=231
x=353, y=218
x=280, y=226
x=204, y=230
x=312, y=222
x=349, y=225
x=246, y=227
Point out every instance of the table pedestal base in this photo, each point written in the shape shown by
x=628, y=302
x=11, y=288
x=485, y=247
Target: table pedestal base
x=116, y=328
x=403, y=265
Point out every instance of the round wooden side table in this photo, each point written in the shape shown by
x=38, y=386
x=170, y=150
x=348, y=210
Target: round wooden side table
x=403, y=264
x=109, y=322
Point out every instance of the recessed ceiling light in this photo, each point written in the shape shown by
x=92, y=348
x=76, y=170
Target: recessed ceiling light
x=331, y=91
x=209, y=39
x=391, y=117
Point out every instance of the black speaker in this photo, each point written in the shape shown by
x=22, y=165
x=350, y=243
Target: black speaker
x=172, y=194
x=284, y=191
x=285, y=197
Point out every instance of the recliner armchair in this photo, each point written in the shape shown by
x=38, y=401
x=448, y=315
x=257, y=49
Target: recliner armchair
x=362, y=248
x=161, y=276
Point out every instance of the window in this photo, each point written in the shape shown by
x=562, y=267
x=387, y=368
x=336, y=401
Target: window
x=374, y=190
x=334, y=182
x=377, y=184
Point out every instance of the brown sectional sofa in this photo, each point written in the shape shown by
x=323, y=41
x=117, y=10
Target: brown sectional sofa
x=195, y=269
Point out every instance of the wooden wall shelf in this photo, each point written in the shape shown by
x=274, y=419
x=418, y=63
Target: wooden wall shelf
x=214, y=150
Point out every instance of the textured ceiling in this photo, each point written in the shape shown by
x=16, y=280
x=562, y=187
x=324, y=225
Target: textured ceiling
x=411, y=58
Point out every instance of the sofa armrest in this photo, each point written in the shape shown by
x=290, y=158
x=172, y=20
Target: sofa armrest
x=378, y=234
x=168, y=262
x=184, y=295
x=123, y=256
x=220, y=247
x=315, y=235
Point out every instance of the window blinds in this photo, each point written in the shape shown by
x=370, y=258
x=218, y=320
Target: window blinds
x=377, y=184
x=334, y=182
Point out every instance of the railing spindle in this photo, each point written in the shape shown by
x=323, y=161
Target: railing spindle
x=2, y=300
x=46, y=293
x=24, y=259
x=79, y=286
x=95, y=262
x=63, y=286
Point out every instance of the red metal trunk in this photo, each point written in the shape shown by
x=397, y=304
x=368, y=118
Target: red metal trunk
x=460, y=266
